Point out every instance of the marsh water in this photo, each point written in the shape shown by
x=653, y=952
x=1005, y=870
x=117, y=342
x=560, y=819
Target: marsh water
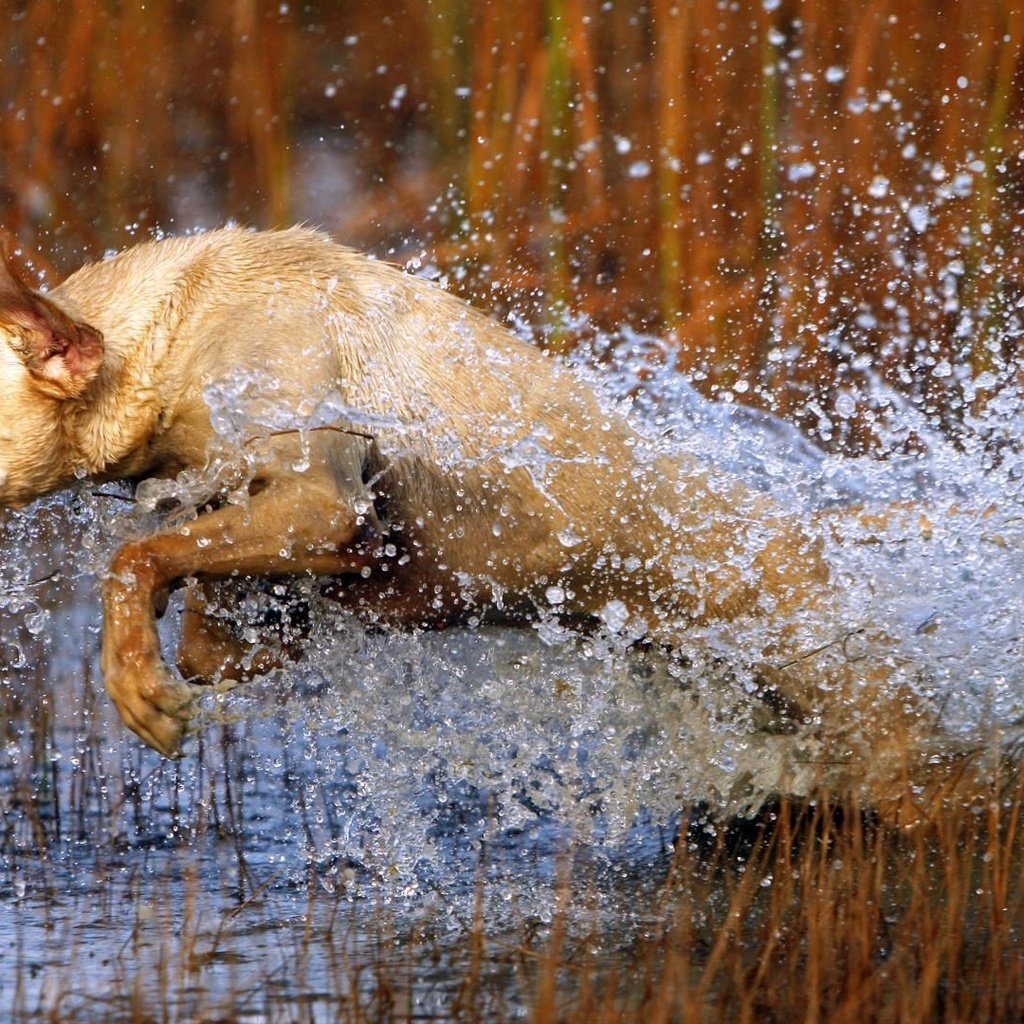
x=393, y=790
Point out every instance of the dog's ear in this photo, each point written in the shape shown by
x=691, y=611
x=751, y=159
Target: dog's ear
x=62, y=355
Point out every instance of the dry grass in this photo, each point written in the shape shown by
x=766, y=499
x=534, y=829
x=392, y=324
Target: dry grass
x=805, y=196
x=799, y=193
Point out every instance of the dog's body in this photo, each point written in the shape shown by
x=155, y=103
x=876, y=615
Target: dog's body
x=463, y=474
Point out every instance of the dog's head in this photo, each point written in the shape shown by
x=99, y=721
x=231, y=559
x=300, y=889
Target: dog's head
x=47, y=360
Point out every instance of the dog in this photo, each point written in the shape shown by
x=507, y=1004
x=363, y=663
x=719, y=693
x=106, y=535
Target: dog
x=383, y=433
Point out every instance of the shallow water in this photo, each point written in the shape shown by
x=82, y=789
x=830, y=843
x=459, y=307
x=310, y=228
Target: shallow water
x=335, y=808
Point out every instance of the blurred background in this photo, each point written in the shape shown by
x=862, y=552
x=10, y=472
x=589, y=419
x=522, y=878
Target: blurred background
x=815, y=203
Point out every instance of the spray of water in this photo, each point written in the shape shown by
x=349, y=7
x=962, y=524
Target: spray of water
x=417, y=747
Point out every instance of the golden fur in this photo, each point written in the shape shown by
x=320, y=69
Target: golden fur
x=492, y=474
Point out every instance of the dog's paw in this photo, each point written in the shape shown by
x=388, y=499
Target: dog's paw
x=210, y=656
x=152, y=702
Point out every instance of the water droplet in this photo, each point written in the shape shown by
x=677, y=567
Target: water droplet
x=568, y=538
x=919, y=217
x=879, y=187
x=615, y=615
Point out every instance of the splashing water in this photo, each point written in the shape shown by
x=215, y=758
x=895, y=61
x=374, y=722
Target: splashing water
x=419, y=745
x=949, y=596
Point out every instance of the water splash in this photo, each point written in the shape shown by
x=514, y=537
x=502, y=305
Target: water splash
x=410, y=750
x=549, y=730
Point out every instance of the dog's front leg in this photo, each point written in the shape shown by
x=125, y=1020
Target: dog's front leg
x=287, y=528
x=211, y=653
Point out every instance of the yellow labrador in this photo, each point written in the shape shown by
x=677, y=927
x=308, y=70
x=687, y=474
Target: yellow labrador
x=456, y=473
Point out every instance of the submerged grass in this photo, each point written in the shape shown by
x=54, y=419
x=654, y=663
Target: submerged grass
x=139, y=890
x=819, y=921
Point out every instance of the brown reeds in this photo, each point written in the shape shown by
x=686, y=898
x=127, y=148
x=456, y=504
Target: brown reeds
x=811, y=912
x=788, y=189
x=791, y=191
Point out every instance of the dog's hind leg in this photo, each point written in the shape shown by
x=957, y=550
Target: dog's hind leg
x=294, y=525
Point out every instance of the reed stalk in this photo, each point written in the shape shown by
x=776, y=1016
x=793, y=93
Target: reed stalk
x=558, y=121
x=119, y=117
x=670, y=20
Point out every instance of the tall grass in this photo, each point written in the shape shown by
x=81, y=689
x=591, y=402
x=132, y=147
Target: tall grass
x=791, y=190
x=812, y=912
x=806, y=197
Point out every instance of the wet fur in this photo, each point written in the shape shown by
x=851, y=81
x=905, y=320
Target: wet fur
x=508, y=479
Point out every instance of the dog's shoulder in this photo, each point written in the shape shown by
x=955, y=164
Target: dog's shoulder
x=232, y=248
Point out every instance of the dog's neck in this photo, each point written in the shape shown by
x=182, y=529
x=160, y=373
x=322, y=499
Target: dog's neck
x=114, y=422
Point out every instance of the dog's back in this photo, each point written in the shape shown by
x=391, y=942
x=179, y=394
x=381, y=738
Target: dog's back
x=496, y=459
